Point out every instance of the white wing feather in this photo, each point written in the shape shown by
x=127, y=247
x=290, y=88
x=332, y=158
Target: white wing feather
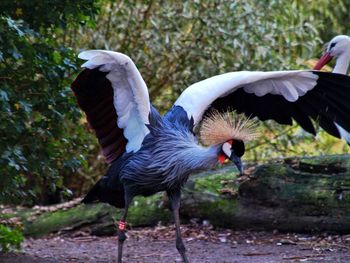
x=131, y=99
x=289, y=84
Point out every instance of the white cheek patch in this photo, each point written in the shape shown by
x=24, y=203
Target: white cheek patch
x=226, y=148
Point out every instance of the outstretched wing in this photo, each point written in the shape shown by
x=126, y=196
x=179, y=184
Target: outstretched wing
x=280, y=96
x=115, y=99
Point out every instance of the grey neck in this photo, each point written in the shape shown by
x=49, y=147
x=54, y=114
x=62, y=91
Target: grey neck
x=203, y=158
x=187, y=159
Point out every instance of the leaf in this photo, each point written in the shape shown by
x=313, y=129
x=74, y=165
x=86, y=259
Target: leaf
x=3, y=95
x=13, y=24
x=10, y=239
x=19, y=11
x=16, y=55
x=25, y=105
x=56, y=57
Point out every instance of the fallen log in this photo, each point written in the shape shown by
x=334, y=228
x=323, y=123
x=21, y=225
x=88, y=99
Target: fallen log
x=299, y=194
x=99, y=219
x=294, y=194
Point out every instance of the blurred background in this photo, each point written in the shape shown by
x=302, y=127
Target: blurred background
x=47, y=154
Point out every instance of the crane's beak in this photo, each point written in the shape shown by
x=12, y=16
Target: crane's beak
x=323, y=61
x=237, y=161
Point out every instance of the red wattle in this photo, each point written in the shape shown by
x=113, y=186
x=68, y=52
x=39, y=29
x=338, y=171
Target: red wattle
x=221, y=158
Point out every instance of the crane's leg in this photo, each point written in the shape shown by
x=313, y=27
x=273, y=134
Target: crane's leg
x=174, y=198
x=122, y=228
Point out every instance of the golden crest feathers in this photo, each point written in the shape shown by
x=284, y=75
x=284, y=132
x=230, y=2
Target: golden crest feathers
x=220, y=127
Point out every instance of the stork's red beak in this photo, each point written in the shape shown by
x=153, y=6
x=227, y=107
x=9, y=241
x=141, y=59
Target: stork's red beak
x=323, y=61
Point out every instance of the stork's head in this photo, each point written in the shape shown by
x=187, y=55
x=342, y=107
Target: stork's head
x=338, y=46
x=229, y=131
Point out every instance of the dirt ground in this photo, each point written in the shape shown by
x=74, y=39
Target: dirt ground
x=153, y=245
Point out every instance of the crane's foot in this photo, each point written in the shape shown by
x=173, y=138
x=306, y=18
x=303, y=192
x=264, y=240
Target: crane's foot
x=182, y=249
x=121, y=239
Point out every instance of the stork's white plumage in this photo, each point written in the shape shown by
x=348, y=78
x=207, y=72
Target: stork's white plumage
x=197, y=98
x=338, y=48
x=150, y=153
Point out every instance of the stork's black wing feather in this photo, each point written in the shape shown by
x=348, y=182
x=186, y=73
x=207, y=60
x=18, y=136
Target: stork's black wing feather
x=328, y=103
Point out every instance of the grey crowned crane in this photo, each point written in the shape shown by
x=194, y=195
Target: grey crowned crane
x=338, y=48
x=149, y=153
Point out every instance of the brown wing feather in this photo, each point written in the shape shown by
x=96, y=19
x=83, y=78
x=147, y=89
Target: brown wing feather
x=94, y=94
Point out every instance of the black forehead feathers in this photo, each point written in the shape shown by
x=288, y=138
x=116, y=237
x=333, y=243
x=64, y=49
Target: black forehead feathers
x=238, y=147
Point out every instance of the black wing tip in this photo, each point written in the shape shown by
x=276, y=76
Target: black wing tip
x=92, y=195
x=102, y=192
x=87, y=201
x=91, y=82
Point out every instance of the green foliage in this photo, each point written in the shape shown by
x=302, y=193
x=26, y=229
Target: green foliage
x=175, y=44
x=42, y=139
x=334, y=16
x=10, y=239
x=48, y=15
x=45, y=149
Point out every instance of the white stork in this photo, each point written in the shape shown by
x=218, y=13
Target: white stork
x=338, y=48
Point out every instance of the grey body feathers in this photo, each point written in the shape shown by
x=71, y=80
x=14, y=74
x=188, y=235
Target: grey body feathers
x=169, y=154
